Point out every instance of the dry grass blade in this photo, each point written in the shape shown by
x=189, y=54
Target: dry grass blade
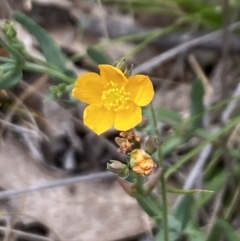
x=14, y=220
x=58, y=183
x=155, y=61
x=31, y=89
x=5, y=9
x=25, y=235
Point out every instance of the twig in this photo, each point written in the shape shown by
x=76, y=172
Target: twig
x=14, y=219
x=19, y=129
x=30, y=90
x=150, y=64
x=226, y=114
x=216, y=208
x=25, y=235
x=5, y=8
x=58, y=183
x=103, y=22
x=196, y=170
x=208, y=90
x=225, y=47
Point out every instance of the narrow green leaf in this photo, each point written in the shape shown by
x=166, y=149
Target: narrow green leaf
x=169, y=116
x=187, y=191
x=170, y=144
x=97, y=56
x=11, y=78
x=183, y=210
x=224, y=130
x=149, y=207
x=197, y=107
x=51, y=50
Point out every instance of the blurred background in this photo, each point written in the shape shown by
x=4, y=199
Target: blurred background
x=191, y=51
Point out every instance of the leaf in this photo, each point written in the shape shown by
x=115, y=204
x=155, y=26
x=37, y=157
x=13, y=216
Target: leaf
x=11, y=78
x=194, y=232
x=174, y=224
x=234, y=153
x=15, y=54
x=169, y=116
x=172, y=236
x=197, y=107
x=170, y=144
x=149, y=207
x=98, y=56
x=51, y=50
x=183, y=210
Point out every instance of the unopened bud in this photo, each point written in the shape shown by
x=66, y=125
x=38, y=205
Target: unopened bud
x=128, y=71
x=9, y=29
x=11, y=35
x=122, y=65
x=59, y=90
x=118, y=168
x=151, y=145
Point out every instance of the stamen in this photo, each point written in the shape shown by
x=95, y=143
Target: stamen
x=115, y=97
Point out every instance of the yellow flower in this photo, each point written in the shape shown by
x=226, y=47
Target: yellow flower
x=114, y=100
x=141, y=162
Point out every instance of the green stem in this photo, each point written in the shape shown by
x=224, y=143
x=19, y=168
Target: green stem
x=162, y=180
x=54, y=73
x=7, y=60
x=40, y=61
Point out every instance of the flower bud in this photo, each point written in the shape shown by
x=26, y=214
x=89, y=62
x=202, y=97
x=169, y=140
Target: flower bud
x=11, y=35
x=59, y=90
x=118, y=168
x=141, y=162
x=151, y=145
x=122, y=65
x=9, y=30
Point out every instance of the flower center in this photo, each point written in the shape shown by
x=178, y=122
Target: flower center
x=115, y=98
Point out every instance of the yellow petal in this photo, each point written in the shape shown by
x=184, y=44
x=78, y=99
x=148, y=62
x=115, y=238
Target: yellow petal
x=127, y=119
x=141, y=89
x=98, y=118
x=88, y=88
x=111, y=73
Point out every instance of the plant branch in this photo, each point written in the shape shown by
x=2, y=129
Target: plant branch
x=53, y=73
x=162, y=179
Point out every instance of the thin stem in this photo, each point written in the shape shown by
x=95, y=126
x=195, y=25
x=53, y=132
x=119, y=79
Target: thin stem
x=162, y=180
x=7, y=60
x=54, y=73
x=41, y=62
x=57, y=183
